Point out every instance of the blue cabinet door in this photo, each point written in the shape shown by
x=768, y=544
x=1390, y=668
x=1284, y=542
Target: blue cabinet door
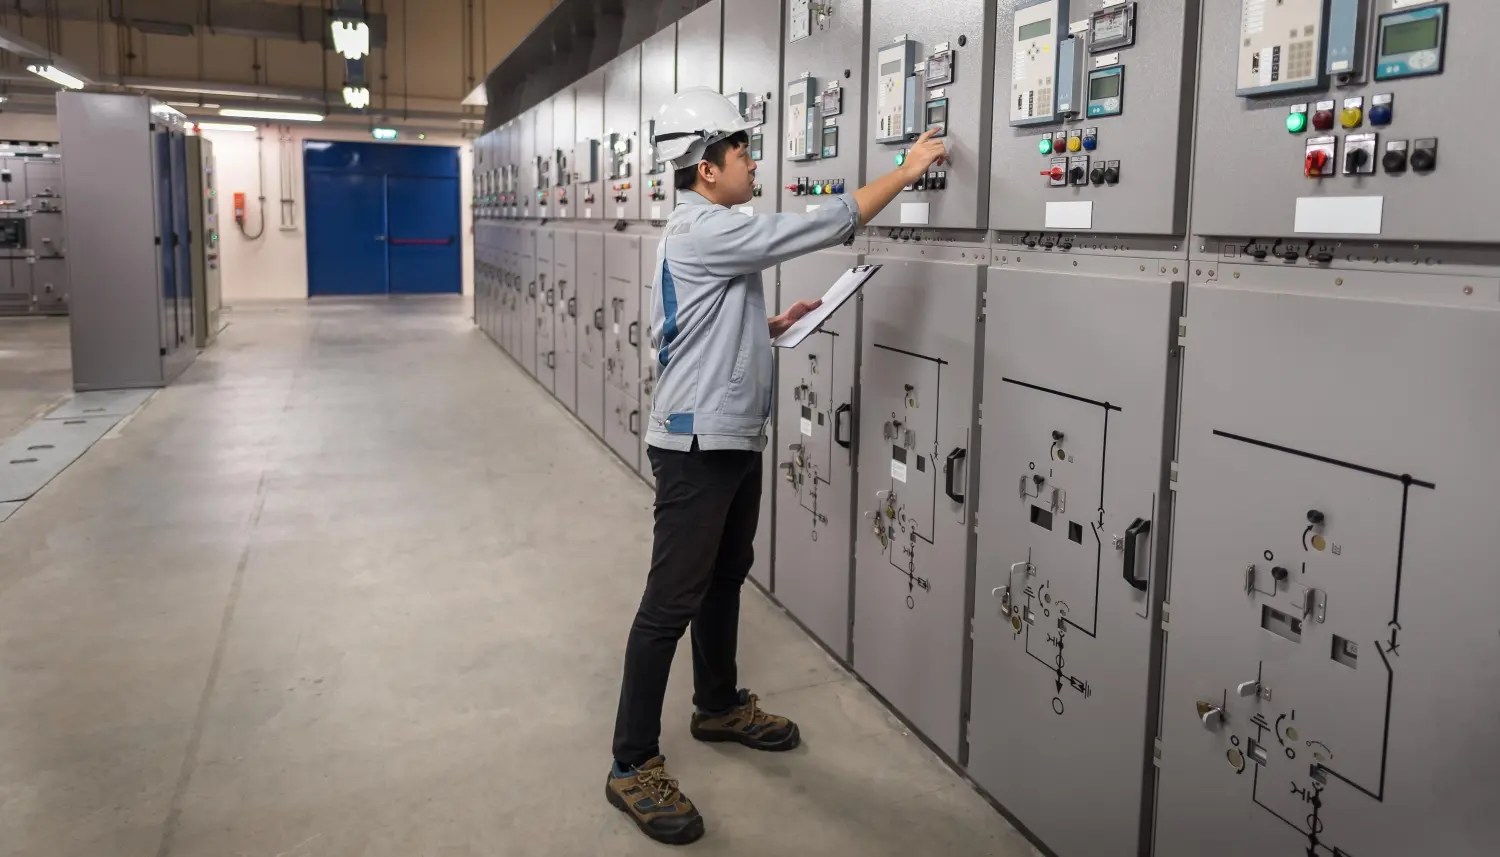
x=425, y=253
x=346, y=234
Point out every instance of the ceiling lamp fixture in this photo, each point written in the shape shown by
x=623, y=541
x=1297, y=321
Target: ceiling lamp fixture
x=288, y=115
x=357, y=97
x=167, y=110
x=56, y=75
x=222, y=126
x=351, y=39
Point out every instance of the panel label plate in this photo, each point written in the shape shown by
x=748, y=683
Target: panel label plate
x=1070, y=215
x=914, y=213
x=1340, y=215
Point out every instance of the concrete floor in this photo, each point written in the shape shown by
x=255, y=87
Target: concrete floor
x=36, y=369
x=356, y=586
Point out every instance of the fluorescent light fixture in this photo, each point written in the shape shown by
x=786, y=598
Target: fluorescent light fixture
x=56, y=75
x=357, y=97
x=194, y=105
x=288, y=115
x=223, y=126
x=472, y=120
x=247, y=92
x=383, y=133
x=477, y=97
x=351, y=39
x=167, y=110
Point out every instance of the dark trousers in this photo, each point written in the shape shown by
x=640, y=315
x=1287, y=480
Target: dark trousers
x=707, y=509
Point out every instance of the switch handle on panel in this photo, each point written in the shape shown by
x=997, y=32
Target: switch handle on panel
x=1139, y=527
x=950, y=472
x=839, y=427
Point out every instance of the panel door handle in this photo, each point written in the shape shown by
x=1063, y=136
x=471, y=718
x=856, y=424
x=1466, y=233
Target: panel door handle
x=572, y=307
x=633, y=334
x=551, y=359
x=551, y=297
x=839, y=426
x=599, y=318
x=635, y=423
x=1139, y=527
x=950, y=470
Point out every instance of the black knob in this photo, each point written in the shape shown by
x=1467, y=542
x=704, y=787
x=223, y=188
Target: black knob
x=1394, y=161
x=1314, y=516
x=1423, y=160
x=1075, y=175
x=1097, y=176
x=1038, y=478
x=1057, y=435
x=1112, y=175
x=1355, y=159
x=1279, y=572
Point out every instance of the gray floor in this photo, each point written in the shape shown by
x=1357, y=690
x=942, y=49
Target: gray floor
x=355, y=586
x=36, y=370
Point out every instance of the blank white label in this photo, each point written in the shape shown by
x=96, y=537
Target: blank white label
x=656, y=212
x=807, y=426
x=747, y=210
x=898, y=470
x=562, y=212
x=1340, y=215
x=1107, y=60
x=617, y=330
x=812, y=206
x=914, y=213
x=619, y=212
x=588, y=214
x=1070, y=215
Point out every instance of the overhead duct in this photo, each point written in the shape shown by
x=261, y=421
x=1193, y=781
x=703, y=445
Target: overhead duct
x=185, y=17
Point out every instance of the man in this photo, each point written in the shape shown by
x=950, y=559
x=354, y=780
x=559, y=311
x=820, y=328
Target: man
x=707, y=431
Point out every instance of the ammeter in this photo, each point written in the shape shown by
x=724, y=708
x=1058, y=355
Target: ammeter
x=1112, y=27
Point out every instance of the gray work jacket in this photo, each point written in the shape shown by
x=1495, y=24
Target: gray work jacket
x=708, y=316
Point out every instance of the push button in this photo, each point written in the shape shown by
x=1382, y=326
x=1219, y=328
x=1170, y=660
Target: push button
x=1380, y=115
x=1323, y=120
x=1351, y=117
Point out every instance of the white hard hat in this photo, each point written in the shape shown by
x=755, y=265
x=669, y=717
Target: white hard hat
x=695, y=118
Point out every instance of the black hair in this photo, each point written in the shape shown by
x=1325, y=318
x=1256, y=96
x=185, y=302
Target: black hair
x=685, y=178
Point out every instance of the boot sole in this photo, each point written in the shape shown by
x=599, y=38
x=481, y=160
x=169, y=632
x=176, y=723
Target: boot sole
x=692, y=833
x=791, y=741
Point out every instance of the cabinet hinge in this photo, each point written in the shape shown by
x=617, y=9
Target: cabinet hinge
x=1182, y=330
x=1172, y=478
x=1166, y=616
x=1156, y=752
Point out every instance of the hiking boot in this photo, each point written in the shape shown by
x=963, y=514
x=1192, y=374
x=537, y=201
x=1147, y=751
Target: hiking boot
x=747, y=724
x=649, y=795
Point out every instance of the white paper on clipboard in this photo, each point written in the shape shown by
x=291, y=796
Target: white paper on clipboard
x=847, y=285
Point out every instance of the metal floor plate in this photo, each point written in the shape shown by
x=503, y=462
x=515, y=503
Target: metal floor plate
x=35, y=455
x=101, y=403
x=8, y=509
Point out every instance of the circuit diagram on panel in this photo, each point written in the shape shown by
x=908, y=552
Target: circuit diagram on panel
x=1060, y=477
x=820, y=426
x=907, y=510
x=1289, y=585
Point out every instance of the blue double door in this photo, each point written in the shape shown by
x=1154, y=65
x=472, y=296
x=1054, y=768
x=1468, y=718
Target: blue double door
x=382, y=219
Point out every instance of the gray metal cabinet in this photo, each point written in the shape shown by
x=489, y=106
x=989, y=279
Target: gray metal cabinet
x=658, y=83
x=565, y=313
x=814, y=459
x=917, y=472
x=650, y=365
x=622, y=337
x=763, y=569
x=1078, y=411
x=530, y=308
x=546, y=304
x=620, y=150
x=591, y=326
x=752, y=76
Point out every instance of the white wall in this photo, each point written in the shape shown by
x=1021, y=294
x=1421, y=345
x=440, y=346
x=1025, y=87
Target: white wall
x=28, y=127
x=274, y=267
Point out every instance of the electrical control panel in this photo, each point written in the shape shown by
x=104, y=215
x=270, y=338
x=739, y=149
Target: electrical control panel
x=1356, y=161
x=526, y=174
x=945, y=87
x=658, y=84
x=1037, y=28
x=590, y=199
x=563, y=135
x=751, y=68
x=541, y=160
x=1280, y=46
x=1109, y=163
x=895, y=93
x=821, y=148
x=618, y=148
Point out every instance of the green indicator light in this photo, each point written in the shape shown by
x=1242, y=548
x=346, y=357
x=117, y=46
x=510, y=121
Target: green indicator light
x=1296, y=123
x=900, y=158
x=817, y=189
x=1045, y=146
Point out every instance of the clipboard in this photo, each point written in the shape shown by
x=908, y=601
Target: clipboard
x=845, y=287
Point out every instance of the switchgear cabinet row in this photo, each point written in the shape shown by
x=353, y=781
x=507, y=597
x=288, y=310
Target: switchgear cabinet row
x=1147, y=480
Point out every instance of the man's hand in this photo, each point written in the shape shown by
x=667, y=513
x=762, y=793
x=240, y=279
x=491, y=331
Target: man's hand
x=925, y=152
x=780, y=323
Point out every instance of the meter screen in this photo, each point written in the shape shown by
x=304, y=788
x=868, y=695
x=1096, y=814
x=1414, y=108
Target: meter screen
x=830, y=141
x=937, y=115
x=831, y=103
x=1109, y=25
x=890, y=68
x=1419, y=35
x=1034, y=30
x=1106, y=86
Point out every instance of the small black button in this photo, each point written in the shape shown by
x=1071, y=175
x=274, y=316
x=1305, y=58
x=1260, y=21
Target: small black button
x=1314, y=516
x=1279, y=573
x=1423, y=160
x=1097, y=176
x=1112, y=175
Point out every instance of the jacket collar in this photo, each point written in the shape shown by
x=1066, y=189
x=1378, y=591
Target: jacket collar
x=692, y=197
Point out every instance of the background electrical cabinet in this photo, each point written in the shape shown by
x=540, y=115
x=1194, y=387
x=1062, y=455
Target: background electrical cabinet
x=128, y=241
x=565, y=317
x=621, y=336
x=563, y=135
x=546, y=303
x=700, y=43
x=931, y=65
x=917, y=467
x=658, y=84
x=203, y=213
x=591, y=324
x=752, y=78
x=587, y=158
x=531, y=298
x=33, y=257
x=540, y=164
x=620, y=147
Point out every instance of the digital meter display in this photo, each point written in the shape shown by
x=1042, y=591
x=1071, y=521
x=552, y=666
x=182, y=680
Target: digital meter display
x=891, y=67
x=1034, y=29
x=1104, y=87
x=937, y=116
x=1112, y=28
x=1420, y=35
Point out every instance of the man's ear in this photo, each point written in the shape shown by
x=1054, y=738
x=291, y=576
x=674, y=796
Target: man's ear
x=708, y=172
